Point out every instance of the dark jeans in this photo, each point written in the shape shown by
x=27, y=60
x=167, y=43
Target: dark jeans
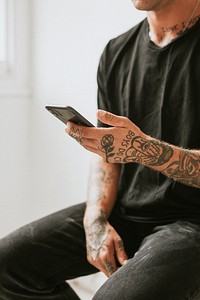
x=164, y=260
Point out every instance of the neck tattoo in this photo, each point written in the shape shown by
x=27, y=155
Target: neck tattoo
x=186, y=26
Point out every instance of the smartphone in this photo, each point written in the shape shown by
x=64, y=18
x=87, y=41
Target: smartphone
x=68, y=113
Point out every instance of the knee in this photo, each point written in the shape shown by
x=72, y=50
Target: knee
x=7, y=259
x=6, y=256
x=12, y=259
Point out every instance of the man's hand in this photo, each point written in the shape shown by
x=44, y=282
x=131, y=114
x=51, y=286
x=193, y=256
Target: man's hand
x=110, y=143
x=105, y=248
x=124, y=142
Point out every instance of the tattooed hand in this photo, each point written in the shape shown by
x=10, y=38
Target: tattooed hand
x=122, y=143
x=105, y=248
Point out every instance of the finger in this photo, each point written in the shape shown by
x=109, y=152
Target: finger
x=100, y=266
x=121, y=255
x=113, y=120
x=94, y=150
x=108, y=258
x=110, y=266
x=91, y=143
x=84, y=131
x=74, y=127
x=77, y=137
x=98, y=261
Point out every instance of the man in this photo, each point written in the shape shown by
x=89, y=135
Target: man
x=142, y=218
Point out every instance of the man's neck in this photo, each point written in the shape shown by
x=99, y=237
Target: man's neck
x=169, y=21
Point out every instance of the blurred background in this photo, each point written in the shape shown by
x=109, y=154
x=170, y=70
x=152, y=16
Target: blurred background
x=49, y=54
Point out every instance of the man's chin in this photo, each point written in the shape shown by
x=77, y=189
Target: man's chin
x=145, y=5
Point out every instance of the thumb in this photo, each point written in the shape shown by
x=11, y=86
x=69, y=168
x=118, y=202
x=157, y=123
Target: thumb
x=122, y=257
x=111, y=119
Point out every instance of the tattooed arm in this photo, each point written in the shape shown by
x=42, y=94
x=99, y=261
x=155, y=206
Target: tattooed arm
x=179, y=164
x=126, y=143
x=105, y=248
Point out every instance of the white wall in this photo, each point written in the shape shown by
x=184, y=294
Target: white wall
x=68, y=39
x=14, y=163
x=41, y=168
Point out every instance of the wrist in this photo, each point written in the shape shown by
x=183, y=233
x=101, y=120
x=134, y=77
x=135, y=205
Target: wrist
x=93, y=213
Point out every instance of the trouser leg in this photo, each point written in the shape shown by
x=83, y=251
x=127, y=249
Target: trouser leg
x=166, y=266
x=36, y=259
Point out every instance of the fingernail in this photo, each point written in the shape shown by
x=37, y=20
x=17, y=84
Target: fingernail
x=101, y=112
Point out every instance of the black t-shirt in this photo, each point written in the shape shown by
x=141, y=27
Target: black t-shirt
x=159, y=90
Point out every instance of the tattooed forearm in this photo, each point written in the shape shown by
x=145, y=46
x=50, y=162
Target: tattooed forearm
x=176, y=163
x=186, y=169
x=96, y=184
x=96, y=234
x=103, y=178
